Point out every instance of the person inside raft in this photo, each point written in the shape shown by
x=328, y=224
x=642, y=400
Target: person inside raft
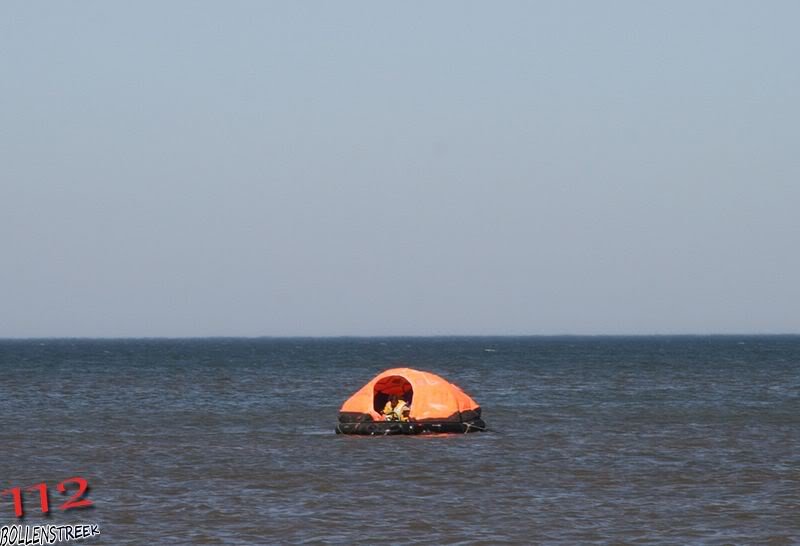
x=396, y=409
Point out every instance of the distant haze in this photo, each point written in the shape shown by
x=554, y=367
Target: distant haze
x=376, y=168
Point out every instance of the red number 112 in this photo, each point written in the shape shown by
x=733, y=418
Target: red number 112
x=75, y=501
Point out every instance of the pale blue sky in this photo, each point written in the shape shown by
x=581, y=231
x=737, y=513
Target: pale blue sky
x=367, y=168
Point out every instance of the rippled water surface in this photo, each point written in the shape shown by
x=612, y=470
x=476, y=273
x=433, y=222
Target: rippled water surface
x=230, y=441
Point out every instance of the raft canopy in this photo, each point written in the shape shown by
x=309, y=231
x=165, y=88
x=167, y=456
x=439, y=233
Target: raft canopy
x=431, y=398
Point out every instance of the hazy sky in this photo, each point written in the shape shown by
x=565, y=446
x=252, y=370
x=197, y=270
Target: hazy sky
x=373, y=168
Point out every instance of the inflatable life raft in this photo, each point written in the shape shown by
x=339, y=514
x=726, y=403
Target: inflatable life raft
x=436, y=406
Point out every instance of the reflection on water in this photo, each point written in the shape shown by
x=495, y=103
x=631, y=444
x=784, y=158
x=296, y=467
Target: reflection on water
x=597, y=440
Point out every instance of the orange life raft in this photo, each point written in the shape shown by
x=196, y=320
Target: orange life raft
x=437, y=406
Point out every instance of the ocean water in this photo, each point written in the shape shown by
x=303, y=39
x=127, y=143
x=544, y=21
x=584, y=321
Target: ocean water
x=663, y=440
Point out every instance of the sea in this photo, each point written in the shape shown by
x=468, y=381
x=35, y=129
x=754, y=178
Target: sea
x=592, y=440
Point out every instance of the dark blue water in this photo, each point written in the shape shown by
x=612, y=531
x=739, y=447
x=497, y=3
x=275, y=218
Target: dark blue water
x=685, y=440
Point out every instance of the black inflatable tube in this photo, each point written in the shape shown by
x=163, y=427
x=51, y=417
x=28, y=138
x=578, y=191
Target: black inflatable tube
x=387, y=428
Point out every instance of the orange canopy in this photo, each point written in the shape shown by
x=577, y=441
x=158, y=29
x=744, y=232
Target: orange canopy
x=431, y=396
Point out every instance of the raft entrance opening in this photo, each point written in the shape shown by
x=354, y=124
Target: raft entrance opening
x=391, y=385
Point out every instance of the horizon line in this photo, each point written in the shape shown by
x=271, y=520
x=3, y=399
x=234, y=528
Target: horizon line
x=398, y=336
